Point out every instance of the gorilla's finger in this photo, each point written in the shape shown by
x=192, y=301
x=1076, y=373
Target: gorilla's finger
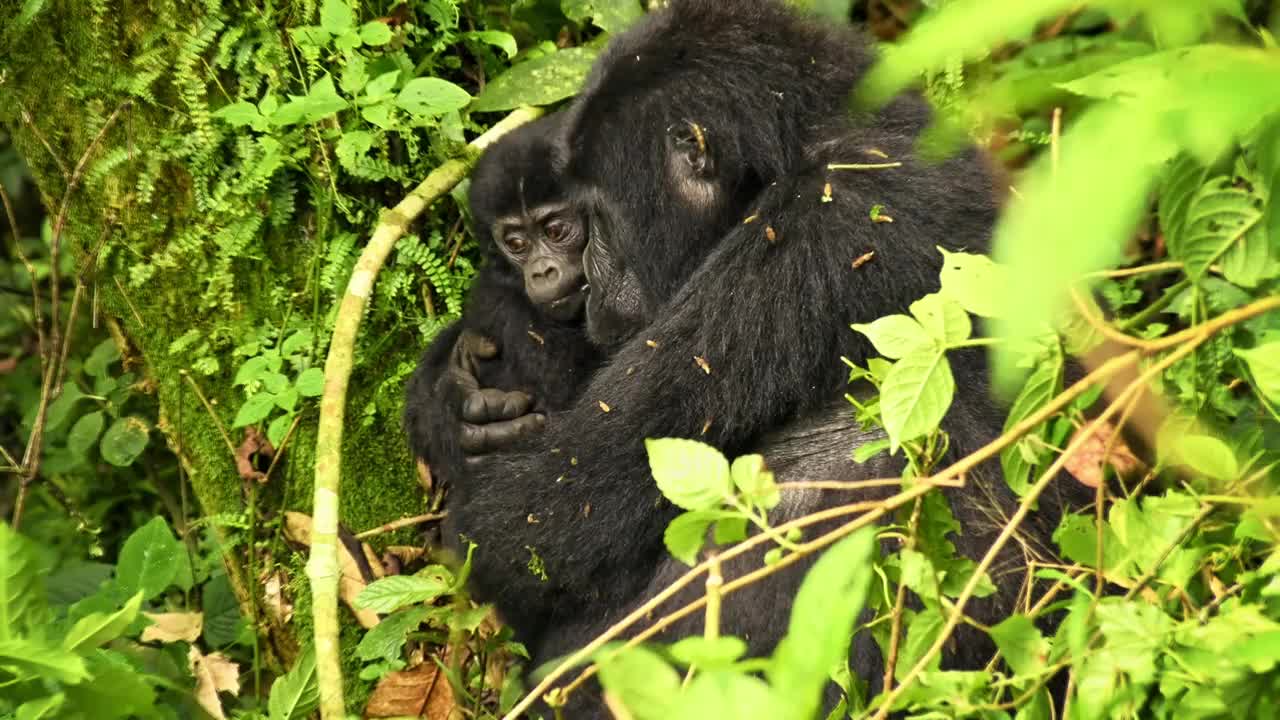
x=470, y=347
x=489, y=405
x=495, y=436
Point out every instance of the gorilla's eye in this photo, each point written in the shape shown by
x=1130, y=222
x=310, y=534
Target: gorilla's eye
x=515, y=243
x=556, y=230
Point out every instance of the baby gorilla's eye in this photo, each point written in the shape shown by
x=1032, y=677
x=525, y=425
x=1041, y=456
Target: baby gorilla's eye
x=515, y=243
x=556, y=230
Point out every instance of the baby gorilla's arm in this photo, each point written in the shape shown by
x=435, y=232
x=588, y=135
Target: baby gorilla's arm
x=491, y=419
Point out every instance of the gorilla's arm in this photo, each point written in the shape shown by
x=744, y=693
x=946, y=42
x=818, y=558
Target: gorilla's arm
x=768, y=312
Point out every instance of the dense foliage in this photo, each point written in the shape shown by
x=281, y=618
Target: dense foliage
x=211, y=171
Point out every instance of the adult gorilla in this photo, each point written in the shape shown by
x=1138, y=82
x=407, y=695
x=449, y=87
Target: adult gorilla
x=700, y=152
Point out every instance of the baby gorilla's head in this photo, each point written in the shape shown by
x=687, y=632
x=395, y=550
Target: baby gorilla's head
x=519, y=203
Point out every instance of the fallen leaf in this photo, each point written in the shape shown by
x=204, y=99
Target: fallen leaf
x=172, y=627
x=1086, y=463
x=274, y=599
x=356, y=573
x=214, y=673
x=403, y=693
x=255, y=443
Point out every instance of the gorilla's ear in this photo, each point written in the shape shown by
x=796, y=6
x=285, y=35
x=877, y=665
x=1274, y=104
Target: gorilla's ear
x=687, y=144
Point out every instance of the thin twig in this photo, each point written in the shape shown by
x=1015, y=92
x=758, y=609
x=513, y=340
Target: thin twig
x=222, y=430
x=35, y=130
x=864, y=166
x=37, y=308
x=401, y=523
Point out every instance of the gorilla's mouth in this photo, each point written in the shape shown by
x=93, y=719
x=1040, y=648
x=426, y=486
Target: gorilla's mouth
x=569, y=307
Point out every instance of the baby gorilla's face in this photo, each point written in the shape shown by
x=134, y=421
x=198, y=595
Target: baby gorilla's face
x=546, y=242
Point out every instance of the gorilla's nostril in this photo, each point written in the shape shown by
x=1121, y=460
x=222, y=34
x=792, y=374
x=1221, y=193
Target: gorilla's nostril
x=551, y=274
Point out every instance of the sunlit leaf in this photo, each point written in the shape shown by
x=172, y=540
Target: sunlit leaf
x=691, y=474
x=541, y=81
x=916, y=395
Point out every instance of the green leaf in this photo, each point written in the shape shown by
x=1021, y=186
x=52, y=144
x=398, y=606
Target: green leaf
x=61, y=406
x=1043, y=385
x=252, y=369
x=755, y=481
x=125, y=440
x=296, y=695
x=384, y=640
x=84, y=434
x=612, y=16
x=541, y=81
x=1219, y=217
x=240, y=114
x=1264, y=365
x=383, y=85
x=942, y=318
x=823, y=615
x=255, y=409
x=96, y=629
x=46, y=707
x=149, y=560
x=687, y=532
x=287, y=400
x=895, y=336
x=431, y=96
x=974, y=281
x=728, y=694
x=691, y=474
x=644, y=683
x=321, y=102
x=375, y=34
x=98, y=364
x=922, y=631
x=1023, y=647
x=221, y=612
x=279, y=428
x=311, y=382
x=22, y=595
x=730, y=530
x=390, y=593
x=868, y=450
x=916, y=395
x=26, y=659
x=708, y=653
x=497, y=38
x=336, y=17
x=117, y=691
x=1209, y=456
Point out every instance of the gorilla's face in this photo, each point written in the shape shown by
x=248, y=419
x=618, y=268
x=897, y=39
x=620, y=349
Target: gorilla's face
x=656, y=198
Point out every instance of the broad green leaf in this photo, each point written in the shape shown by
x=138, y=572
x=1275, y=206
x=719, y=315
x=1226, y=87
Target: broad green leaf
x=255, y=409
x=98, y=364
x=22, y=595
x=384, y=640
x=299, y=341
x=895, y=336
x=974, y=281
x=1264, y=365
x=84, y=434
x=921, y=632
x=728, y=694
x=612, y=16
x=375, y=33
x=1023, y=647
x=397, y=591
x=1183, y=178
x=287, y=399
x=321, y=102
x=1208, y=456
x=311, y=382
x=30, y=8
x=252, y=369
x=336, y=17
x=691, y=474
x=497, y=38
x=942, y=318
x=687, y=533
x=1043, y=385
x=96, y=629
x=708, y=653
x=755, y=481
x=61, y=406
x=296, y=695
x=1219, y=218
x=45, y=708
x=116, y=692
x=916, y=395
x=355, y=75
x=383, y=85
x=26, y=659
x=240, y=114
x=866, y=451
x=149, y=560
x=823, y=615
x=431, y=96
x=279, y=428
x=541, y=81
x=644, y=683
x=221, y=612
x=919, y=575
x=125, y=440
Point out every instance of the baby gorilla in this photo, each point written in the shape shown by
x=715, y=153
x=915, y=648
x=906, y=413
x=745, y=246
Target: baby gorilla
x=521, y=333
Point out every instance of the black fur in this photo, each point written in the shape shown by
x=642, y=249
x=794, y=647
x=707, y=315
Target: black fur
x=767, y=303
x=547, y=358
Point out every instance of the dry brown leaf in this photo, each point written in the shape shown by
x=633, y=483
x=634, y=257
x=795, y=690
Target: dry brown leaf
x=255, y=443
x=1086, y=464
x=172, y=627
x=214, y=673
x=297, y=528
x=401, y=694
x=274, y=599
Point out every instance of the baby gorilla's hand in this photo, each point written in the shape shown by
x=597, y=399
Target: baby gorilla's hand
x=491, y=419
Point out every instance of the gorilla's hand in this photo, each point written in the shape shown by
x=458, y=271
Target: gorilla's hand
x=491, y=419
